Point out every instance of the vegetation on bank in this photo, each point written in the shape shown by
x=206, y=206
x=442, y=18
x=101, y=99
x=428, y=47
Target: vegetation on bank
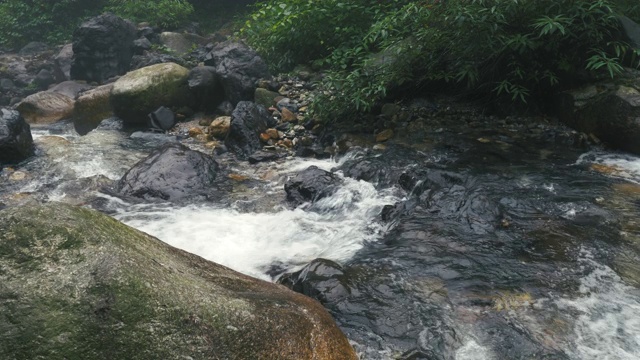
x=516, y=50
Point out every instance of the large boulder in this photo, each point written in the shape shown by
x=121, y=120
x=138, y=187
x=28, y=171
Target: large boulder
x=239, y=67
x=16, y=143
x=610, y=112
x=102, y=48
x=142, y=91
x=91, y=108
x=172, y=172
x=62, y=63
x=206, y=87
x=310, y=185
x=248, y=121
x=46, y=107
x=77, y=284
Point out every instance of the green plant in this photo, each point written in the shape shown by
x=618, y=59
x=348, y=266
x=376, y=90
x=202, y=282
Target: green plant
x=164, y=13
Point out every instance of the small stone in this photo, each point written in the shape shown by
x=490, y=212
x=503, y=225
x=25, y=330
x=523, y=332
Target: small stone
x=288, y=116
x=211, y=144
x=264, y=137
x=298, y=128
x=484, y=140
x=17, y=176
x=287, y=143
x=384, y=135
x=379, y=147
x=195, y=131
x=220, y=127
x=280, y=135
x=304, y=109
x=238, y=177
x=273, y=134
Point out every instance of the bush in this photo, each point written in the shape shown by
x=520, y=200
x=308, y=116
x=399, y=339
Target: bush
x=167, y=14
x=496, y=49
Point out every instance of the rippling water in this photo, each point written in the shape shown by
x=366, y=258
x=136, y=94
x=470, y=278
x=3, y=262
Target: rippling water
x=496, y=249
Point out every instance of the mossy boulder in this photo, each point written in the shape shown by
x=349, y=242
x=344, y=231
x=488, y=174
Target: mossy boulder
x=142, y=91
x=91, y=108
x=77, y=284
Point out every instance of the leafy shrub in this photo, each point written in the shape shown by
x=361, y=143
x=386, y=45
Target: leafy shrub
x=513, y=49
x=164, y=13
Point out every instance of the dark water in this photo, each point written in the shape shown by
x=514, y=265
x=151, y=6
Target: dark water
x=508, y=241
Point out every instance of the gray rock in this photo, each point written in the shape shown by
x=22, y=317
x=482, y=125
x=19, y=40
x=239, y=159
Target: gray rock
x=16, y=143
x=310, y=185
x=162, y=119
x=70, y=88
x=43, y=79
x=239, y=67
x=248, y=121
x=103, y=48
x=7, y=85
x=33, y=47
x=181, y=43
x=206, y=87
x=141, y=45
x=46, y=107
x=62, y=63
x=631, y=30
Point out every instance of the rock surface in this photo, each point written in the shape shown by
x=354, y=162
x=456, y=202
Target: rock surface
x=46, y=107
x=310, y=185
x=16, y=143
x=239, y=68
x=248, y=121
x=172, y=172
x=77, y=284
x=91, y=108
x=62, y=63
x=142, y=91
x=70, y=88
x=206, y=87
x=611, y=112
x=321, y=279
x=102, y=48
x=181, y=43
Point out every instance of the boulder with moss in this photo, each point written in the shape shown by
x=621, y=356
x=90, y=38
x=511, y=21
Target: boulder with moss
x=142, y=91
x=91, y=108
x=77, y=284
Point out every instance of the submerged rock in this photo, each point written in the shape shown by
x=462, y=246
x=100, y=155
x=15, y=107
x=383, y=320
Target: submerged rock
x=102, y=48
x=321, y=279
x=310, y=185
x=77, y=284
x=171, y=172
x=142, y=91
x=16, y=143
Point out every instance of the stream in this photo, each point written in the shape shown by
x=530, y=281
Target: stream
x=506, y=241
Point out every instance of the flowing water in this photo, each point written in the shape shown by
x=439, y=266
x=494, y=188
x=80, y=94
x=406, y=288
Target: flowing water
x=496, y=244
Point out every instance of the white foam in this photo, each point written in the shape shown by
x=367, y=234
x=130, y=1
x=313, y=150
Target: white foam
x=607, y=321
x=624, y=166
x=471, y=350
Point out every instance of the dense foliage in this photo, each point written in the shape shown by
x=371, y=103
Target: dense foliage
x=514, y=49
x=50, y=21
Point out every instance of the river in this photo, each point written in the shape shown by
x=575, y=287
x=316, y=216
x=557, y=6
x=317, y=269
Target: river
x=508, y=241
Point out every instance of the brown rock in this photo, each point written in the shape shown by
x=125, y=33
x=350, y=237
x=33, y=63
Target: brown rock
x=273, y=134
x=288, y=116
x=45, y=107
x=220, y=127
x=264, y=137
x=287, y=143
x=238, y=177
x=384, y=135
x=195, y=131
x=91, y=108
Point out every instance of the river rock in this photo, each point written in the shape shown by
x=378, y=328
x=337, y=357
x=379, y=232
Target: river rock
x=265, y=97
x=119, y=293
x=239, y=67
x=102, y=48
x=609, y=112
x=46, y=107
x=16, y=143
x=70, y=88
x=171, y=172
x=321, y=279
x=206, y=87
x=142, y=91
x=263, y=156
x=181, y=43
x=248, y=121
x=91, y=108
x=310, y=185
x=62, y=63
x=162, y=119
x=219, y=128
x=43, y=79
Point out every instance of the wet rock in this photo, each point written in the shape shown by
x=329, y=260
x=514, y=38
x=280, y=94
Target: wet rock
x=91, y=108
x=225, y=108
x=206, y=87
x=384, y=135
x=162, y=119
x=288, y=116
x=239, y=68
x=181, y=43
x=43, y=79
x=102, y=48
x=248, y=121
x=611, y=114
x=62, y=63
x=142, y=91
x=70, y=88
x=16, y=143
x=310, y=185
x=141, y=45
x=171, y=172
x=263, y=156
x=150, y=58
x=33, y=48
x=46, y=107
x=286, y=103
x=137, y=289
x=321, y=279
x=219, y=128
x=264, y=97
x=367, y=170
